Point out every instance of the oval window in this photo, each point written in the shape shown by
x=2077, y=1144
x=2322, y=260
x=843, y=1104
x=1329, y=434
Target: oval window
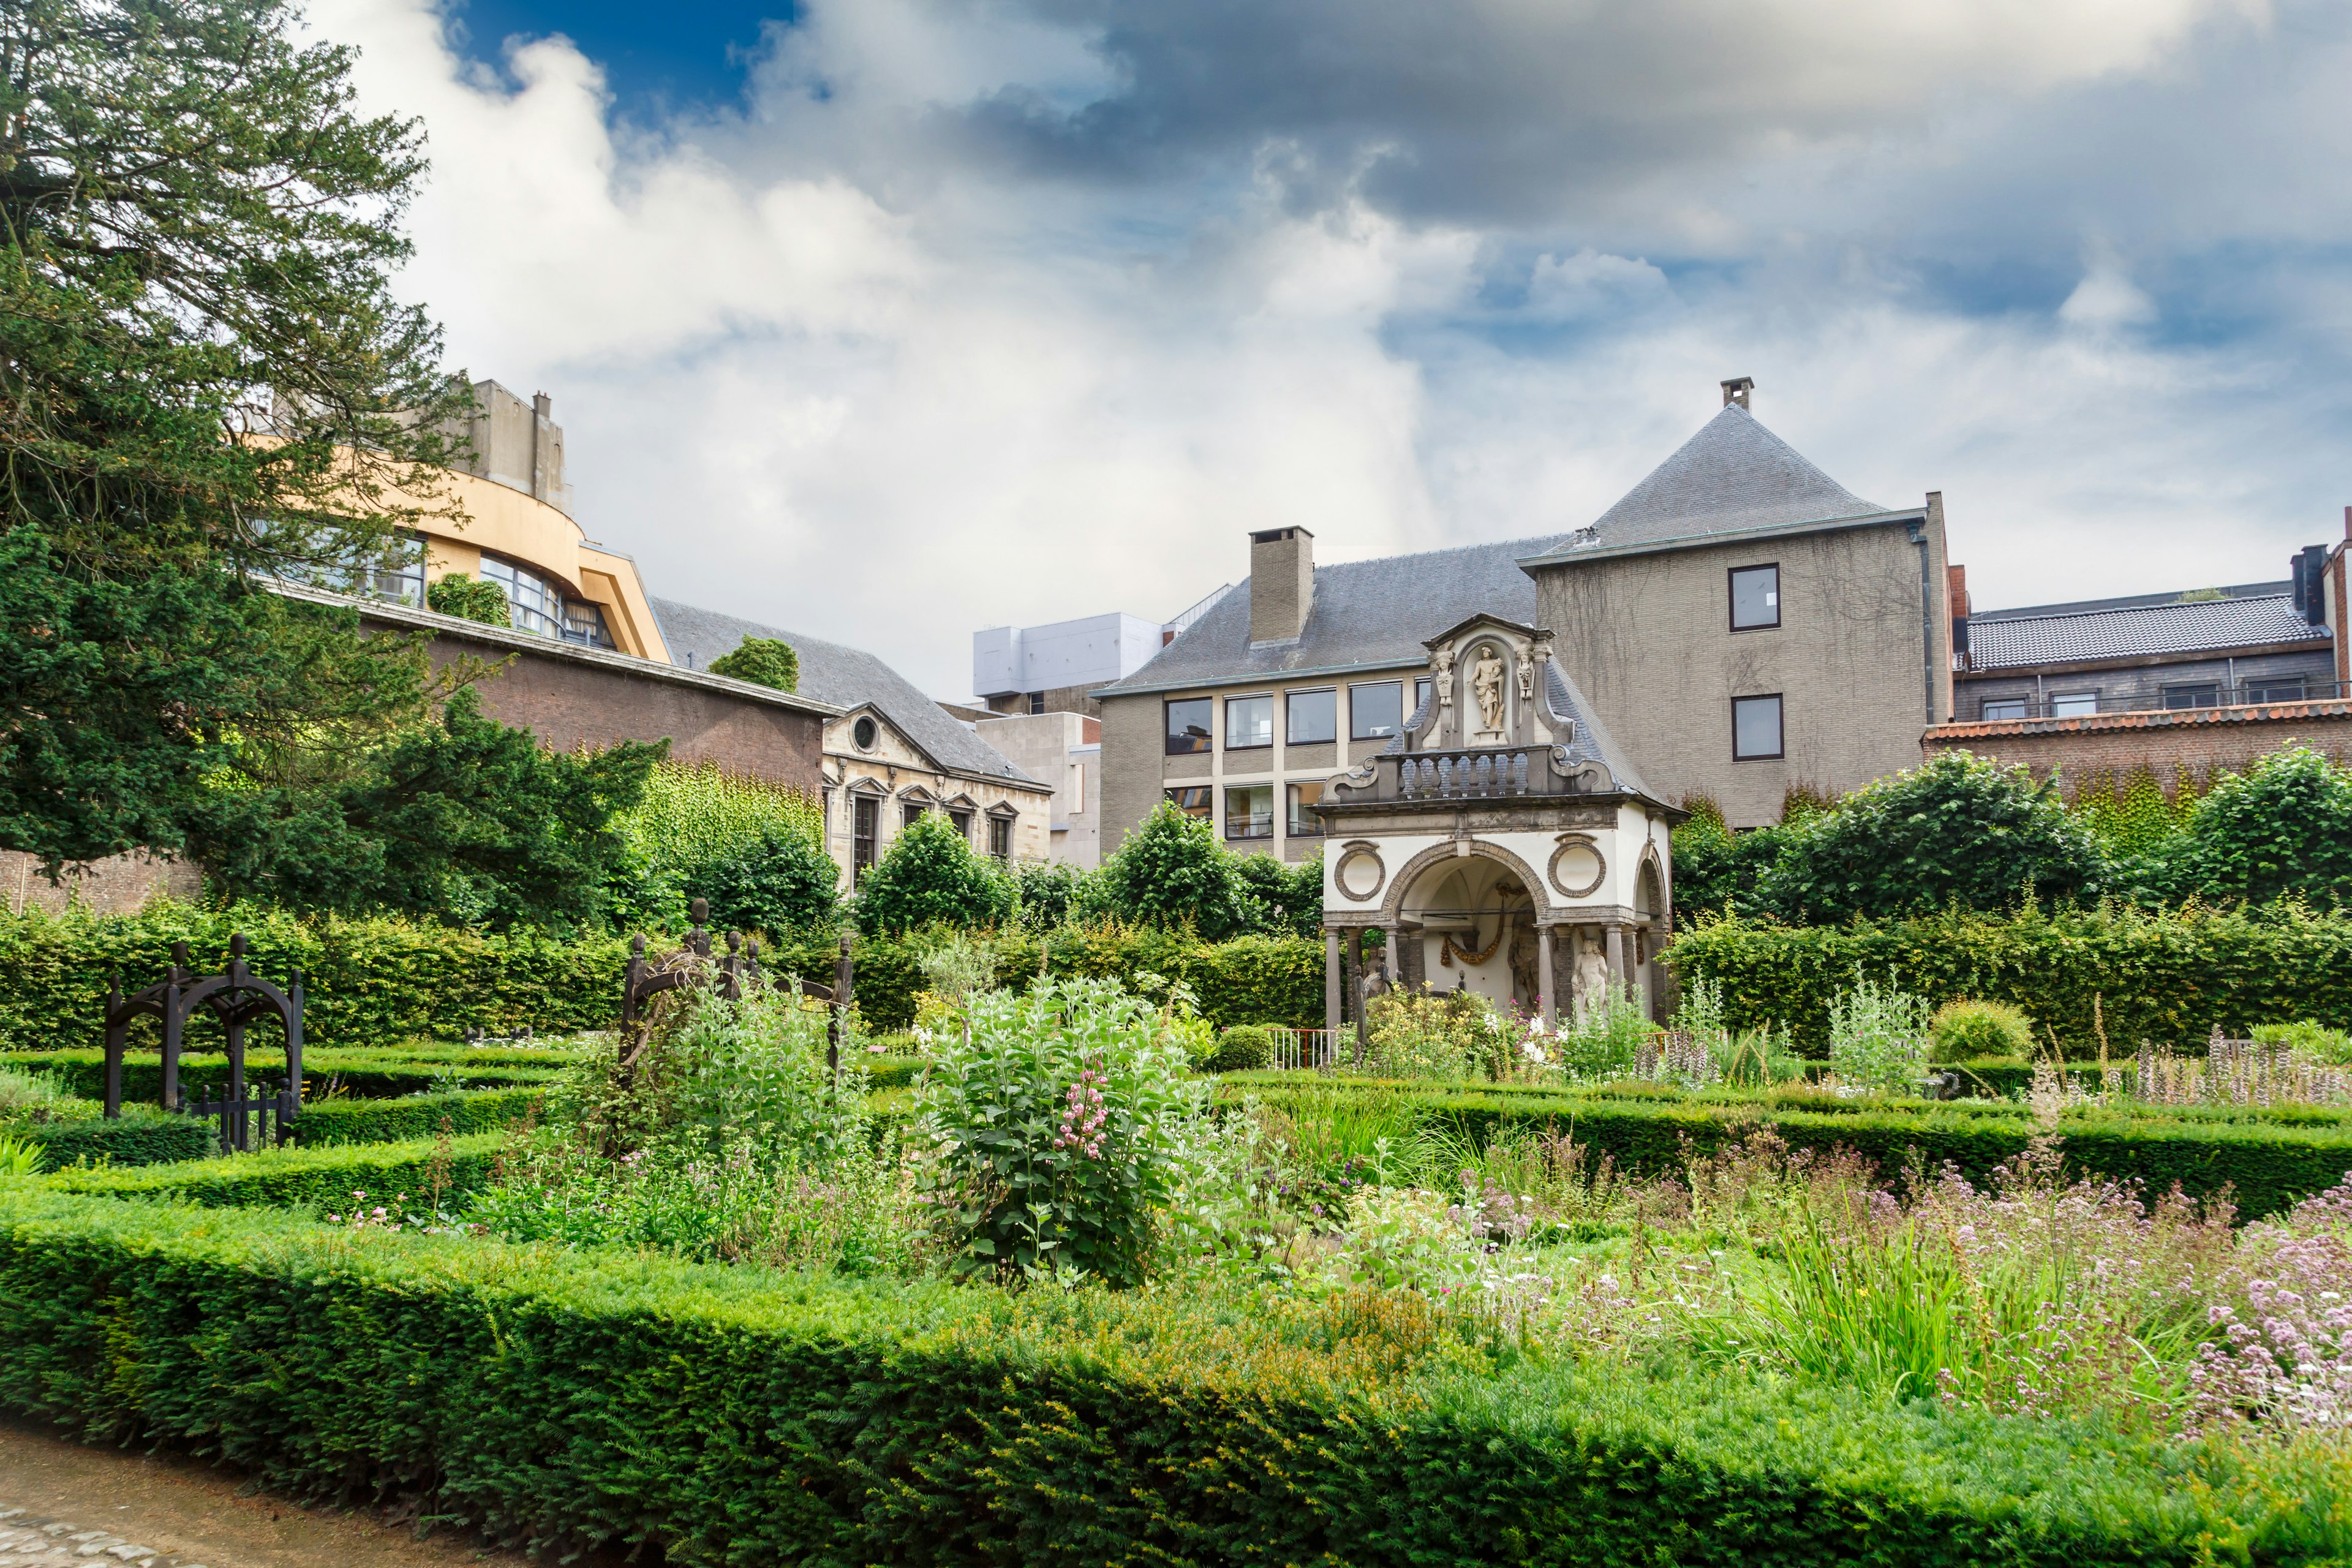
x=863, y=733
x=1575, y=869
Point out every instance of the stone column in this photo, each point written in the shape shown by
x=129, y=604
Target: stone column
x=1356, y=986
x=1544, y=970
x=1616, y=953
x=1331, y=1019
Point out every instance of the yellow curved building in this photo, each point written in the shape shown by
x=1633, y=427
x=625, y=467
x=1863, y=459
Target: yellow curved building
x=518, y=532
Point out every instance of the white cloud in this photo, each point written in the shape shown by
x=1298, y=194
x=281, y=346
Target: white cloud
x=850, y=364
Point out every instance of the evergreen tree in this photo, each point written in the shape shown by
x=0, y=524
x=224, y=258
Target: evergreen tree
x=763, y=661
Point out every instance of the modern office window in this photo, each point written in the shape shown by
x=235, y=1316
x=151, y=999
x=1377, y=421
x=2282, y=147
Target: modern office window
x=2002, y=708
x=2192, y=696
x=1311, y=718
x=962, y=820
x=1249, y=723
x=1756, y=728
x=1193, y=800
x=1188, y=725
x=1755, y=598
x=1036, y=702
x=2073, y=704
x=1000, y=837
x=908, y=815
x=402, y=579
x=865, y=814
x=1249, y=811
x=534, y=604
x=584, y=623
x=2276, y=690
x=1375, y=710
x=1304, y=823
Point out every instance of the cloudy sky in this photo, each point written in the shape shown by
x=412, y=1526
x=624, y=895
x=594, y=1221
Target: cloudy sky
x=887, y=321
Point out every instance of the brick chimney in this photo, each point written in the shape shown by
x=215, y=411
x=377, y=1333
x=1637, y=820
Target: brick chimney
x=1282, y=583
x=1738, y=389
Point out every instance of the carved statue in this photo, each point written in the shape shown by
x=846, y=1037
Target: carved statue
x=1487, y=685
x=1443, y=669
x=1527, y=677
x=1524, y=967
x=1591, y=983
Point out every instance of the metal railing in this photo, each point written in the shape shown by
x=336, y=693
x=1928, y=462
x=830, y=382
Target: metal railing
x=1305, y=1050
x=2244, y=694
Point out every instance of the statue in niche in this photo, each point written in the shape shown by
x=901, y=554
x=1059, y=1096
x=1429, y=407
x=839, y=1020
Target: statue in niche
x=1443, y=670
x=1525, y=971
x=1527, y=677
x=1589, y=979
x=1487, y=685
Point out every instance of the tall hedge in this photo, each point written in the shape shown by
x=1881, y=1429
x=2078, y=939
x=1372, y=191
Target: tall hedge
x=2163, y=975
x=732, y=1415
x=373, y=982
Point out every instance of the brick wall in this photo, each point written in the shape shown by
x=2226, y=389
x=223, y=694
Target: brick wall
x=118, y=885
x=2200, y=740
x=575, y=698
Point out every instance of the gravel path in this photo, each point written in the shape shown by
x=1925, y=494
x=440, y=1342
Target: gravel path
x=67, y=1505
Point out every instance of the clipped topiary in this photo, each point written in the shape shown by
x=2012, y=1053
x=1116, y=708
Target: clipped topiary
x=1964, y=1031
x=471, y=598
x=763, y=661
x=1244, y=1048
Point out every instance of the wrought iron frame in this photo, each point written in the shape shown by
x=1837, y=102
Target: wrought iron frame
x=236, y=997
x=739, y=972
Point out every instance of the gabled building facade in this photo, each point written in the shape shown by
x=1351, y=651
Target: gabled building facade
x=890, y=753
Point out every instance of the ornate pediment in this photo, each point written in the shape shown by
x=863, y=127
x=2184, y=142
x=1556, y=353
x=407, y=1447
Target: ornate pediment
x=1489, y=676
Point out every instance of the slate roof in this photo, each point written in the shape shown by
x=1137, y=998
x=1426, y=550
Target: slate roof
x=846, y=677
x=2005, y=641
x=1733, y=476
x=1366, y=614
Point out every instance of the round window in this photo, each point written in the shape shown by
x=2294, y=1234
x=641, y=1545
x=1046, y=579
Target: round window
x=863, y=733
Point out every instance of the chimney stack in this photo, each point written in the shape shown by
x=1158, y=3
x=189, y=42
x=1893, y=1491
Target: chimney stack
x=1282, y=583
x=1738, y=389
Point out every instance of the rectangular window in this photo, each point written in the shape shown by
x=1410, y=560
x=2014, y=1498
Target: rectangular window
x=1419, y=694
x=2073, y=704
x=865, y=820
x=1249, y=811
x=1756, y=728
x=962, y=820
x=908, y=815
x=584, y=622
x=1193, y=800
x=2276, y=691
x=1755, y=598
x=2192, y=696
x=1036, y=702
x=1312, y=717
x=1304, y=823
x=1188, y=725
x=2002, y=708
x=1078, y=788
x=1000, y=837
x=1375, y=710
x=1249, y=723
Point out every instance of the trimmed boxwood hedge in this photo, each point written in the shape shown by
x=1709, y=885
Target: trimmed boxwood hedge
x=2266, y=1162
x=365, y=1075
x=284, y=1178
x=2165, y=975
x=734, y=1416
x=418, y=1116
x=154, y=1139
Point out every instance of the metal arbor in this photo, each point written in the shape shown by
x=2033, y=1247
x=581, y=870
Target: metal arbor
x=739, y=972
x=237, y=998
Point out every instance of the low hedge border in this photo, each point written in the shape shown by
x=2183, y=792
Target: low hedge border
x=2266, y=1167
x=150, y=1140
x=723, y=1416
x=286, y=1178
x=366, y=1075
x=419, y=1116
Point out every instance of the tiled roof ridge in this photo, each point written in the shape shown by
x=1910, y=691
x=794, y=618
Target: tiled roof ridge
x=2008, y=619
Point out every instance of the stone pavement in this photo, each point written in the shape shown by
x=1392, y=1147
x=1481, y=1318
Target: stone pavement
x=71, y=1505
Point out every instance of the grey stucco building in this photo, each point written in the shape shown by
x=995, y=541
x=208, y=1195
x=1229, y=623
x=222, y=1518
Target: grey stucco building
x=1740, y=622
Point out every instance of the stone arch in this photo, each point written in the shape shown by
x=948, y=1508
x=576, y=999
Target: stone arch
x=1653, y=894
x=1406, y=876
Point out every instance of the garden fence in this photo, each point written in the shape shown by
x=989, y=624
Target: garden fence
x=1305, y=1050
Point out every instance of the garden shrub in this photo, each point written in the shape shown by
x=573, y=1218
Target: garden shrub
x=416, y=1116
x=763, y=661
x=692, y=819
x=468, y=597
x=1428, y=1034
x=1244, y=1048
x=141, y=1135
x=931, y=875
x=328, y=1179
x=2283, y=825
x=2317, y=1041
x=2166, y=975
x=358, y=1074
x=710, y=1416
x=1058, y=1124
x=779, y=881
x=1965, y=1030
